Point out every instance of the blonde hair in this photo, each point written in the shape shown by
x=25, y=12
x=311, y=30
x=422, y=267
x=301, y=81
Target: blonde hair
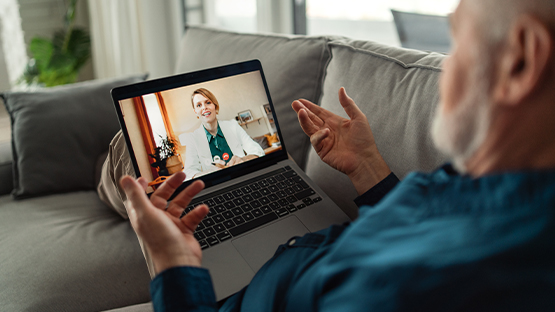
x=207, y=94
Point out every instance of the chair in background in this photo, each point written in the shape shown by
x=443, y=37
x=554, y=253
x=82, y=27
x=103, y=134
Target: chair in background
x=422, y=31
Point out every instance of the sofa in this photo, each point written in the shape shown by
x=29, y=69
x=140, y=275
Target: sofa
x=64, y=249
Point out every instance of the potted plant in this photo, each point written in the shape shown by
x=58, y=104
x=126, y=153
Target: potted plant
x=166, y=157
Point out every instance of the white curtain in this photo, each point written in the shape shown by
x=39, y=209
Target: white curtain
x=13, y=55
x=135, y=36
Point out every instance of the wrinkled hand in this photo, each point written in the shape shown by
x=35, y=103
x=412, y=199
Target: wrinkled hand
x=345, y=144
x=168, y=239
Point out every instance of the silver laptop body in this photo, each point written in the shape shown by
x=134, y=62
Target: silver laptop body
x=255, y=206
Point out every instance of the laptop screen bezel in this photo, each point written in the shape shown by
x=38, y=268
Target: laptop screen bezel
x=181, y=80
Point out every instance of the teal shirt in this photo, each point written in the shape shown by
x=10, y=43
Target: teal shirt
x=218, y=144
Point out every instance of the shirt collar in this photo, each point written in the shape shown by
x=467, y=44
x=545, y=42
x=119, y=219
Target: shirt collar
x=209, y=136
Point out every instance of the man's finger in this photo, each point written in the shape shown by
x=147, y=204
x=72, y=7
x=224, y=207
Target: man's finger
x=318, y=111
x=184, y=198
x=135, y=194
x=349, y=104
x=160, y=197
x=193, y=218
x=317, y=138
x=306, y=123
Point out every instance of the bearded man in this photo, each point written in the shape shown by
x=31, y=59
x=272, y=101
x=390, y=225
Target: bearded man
x=476, y=236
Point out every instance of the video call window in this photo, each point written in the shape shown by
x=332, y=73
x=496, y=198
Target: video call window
x=200, y=128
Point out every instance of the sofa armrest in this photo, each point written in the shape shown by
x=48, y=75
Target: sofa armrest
x=6, y=173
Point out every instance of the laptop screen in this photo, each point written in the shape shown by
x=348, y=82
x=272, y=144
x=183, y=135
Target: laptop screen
x=212, y=125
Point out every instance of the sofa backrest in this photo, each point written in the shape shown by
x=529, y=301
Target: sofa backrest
x=293, y=66
x=397, y=89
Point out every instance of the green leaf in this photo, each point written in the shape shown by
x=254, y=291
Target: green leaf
x=41, y=50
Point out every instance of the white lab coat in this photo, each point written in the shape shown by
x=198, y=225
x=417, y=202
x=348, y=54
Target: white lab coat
x=198, y=157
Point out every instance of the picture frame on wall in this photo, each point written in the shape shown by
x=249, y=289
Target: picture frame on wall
x=245, y=116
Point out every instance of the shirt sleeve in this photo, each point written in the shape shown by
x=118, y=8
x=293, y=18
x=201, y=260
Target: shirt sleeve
x=376, y=193
x=183, y=289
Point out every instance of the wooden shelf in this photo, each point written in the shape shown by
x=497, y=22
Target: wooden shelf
x=250, y=121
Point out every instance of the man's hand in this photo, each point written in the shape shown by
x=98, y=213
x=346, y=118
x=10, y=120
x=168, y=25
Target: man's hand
x=169, y=240
x=345, y=144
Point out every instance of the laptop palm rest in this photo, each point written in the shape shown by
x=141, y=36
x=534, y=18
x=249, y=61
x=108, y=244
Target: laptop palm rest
x=259, y=246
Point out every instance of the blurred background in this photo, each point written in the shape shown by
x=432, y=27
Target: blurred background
x=51, y=42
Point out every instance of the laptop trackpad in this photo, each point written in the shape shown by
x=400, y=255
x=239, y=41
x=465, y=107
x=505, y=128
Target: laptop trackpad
x=259, y=246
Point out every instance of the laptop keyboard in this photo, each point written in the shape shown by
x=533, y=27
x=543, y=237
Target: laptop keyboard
x=247, y=205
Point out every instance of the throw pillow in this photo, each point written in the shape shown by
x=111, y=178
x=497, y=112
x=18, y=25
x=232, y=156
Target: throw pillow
x=58, y=134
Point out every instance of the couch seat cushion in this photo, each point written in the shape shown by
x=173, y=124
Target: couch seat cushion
x=68, y=252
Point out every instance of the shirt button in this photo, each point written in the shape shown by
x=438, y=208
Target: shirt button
x=291, y=242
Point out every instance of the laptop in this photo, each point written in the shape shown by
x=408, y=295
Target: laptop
x=219, y=125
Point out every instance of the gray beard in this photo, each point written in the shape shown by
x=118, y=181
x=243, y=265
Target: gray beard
x=460, y=133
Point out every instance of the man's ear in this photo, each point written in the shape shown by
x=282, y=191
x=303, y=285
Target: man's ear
x=524, y=61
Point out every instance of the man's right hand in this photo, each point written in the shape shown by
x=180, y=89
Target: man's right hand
x=345, y=144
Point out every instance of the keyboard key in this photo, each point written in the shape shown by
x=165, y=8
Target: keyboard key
x=229, y=224
x=247, y=198
x=203, y=244
x=246, y=207
x=289, y=191
x=281, y=194
x=256, y=195
x=211, y=212
x=248, y=216
x=308, y=202
x=257, y=213
x=238, y=220
x=297, y=188
x=291, y=208
x=200, y=227
x=266, y=209
x=210, y=203
x=237, y=193
x=209, y=232
x=273, y=197
x=283, y=203
x=281, y=185
x=229, y=205
x=282, y=212
x=303, y=184
x=275, y=206
x=223, y=236
x=238, y=201
x=264, y=201
x=219, y=208
x=289, y=174
x=254, y=186
x=265, y=191
x=199, y=235
x=237, y=211
x=297, y=179
x=290, y=182
x=271, y=180
x=263, y=183
x=287, y=167
x=301, y=206
x=253, y=224
x=279, y=177
x=305, y=193
x=228, y=196
x=317, y=199
x=291, y=199
x=212, y=241
x=219, y=228
x=255, y=204
x=246, y=189
x=218, y=218
x=228, y=215
x=273, y=188
x=208, y=222
x=219, y=200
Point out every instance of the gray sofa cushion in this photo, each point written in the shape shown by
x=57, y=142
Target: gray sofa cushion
x=397, y=89
x=293, y=67
x=58, y=134
x=67, y=252
x=6, y=176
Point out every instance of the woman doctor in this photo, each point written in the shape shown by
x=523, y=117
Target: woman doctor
x=215, y=144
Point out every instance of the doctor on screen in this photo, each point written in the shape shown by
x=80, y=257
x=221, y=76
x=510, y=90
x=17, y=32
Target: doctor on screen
x=215, y=144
